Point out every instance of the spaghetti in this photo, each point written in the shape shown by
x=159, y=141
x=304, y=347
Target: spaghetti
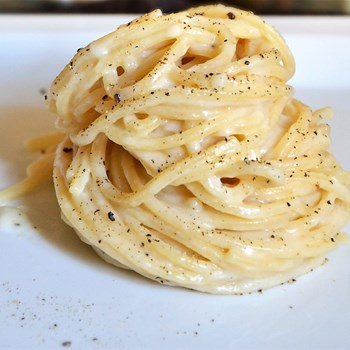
x=186, y=158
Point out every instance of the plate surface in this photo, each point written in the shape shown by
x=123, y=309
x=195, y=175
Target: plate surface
x=56, y=293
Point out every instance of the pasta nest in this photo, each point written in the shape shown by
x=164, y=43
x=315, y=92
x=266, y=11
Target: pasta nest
x=187, y=159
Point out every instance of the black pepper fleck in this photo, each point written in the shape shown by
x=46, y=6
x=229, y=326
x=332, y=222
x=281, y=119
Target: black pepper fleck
x=111, y=216
x=231, y=15
x=66, y=343
x=117, y=98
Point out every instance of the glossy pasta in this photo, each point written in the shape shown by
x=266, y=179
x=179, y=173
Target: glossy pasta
x=186, y=158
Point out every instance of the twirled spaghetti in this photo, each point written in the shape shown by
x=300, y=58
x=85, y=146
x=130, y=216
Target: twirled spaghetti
x=186, y=158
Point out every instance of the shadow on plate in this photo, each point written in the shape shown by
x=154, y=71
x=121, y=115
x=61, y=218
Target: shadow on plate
x=40, y=205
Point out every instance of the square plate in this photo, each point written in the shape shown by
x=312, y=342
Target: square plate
x=56, y=293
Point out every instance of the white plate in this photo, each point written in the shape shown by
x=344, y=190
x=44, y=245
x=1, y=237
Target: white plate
x=56, y=293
